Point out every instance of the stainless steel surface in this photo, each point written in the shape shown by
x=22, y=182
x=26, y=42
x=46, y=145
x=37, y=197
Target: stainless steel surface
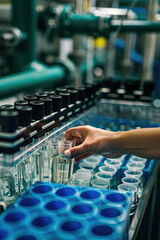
x=141, y=208
x=149, y=45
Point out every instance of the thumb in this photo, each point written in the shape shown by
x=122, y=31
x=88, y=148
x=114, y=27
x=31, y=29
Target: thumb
x=76, y=151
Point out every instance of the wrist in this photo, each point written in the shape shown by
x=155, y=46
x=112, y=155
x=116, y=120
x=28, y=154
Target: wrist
x=116, y=141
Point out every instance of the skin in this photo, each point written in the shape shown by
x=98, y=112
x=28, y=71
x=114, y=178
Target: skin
x=89, y=140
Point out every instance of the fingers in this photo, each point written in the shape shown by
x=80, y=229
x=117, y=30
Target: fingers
x=83, y=146
x=76, y=151
x=76, y=132
x=77, y=159
x=72, y=133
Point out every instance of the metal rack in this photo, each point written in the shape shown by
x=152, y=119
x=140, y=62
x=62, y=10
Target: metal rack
x=120, y=110
x=143, y=203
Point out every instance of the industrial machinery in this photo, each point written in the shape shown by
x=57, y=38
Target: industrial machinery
x=70, y=63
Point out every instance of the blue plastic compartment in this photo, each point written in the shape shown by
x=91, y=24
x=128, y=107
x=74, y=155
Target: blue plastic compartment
x=27, y=235
x=69, y=228
x=103, y=231
x=149, y=168
x=118, y=199
x=5, y=233
x=82, y=210
x=66, y=212
x=42, y=223
x=91, y=195
x=111, y=215
x=14, y=218
x=43, y=190
x=66, y=192
x=30, y=203
x=57, y=206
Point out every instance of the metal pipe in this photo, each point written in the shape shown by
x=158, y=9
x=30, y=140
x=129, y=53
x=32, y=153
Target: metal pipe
x=29, y=79
x=5, y=15
x=77, y=45
x=127, y=63
x=90, y=52
x=109, y=70
x=91, y=25
x=90, y=60
x=24, y=17
x=138, y=26
x=149, y=45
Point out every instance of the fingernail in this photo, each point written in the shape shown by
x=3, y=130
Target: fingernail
x=67, y=154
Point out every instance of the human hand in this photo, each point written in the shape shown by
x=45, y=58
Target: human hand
x=90, y=140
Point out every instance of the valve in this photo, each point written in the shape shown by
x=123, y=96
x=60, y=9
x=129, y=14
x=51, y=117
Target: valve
x=11, y=37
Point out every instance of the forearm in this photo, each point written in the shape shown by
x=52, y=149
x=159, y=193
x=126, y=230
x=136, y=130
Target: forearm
x=141, y=142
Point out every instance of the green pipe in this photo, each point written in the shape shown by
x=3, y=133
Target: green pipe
x=135, y=26
x=95, y=26
x=24, y=17
x=26, y=80
x=84, y=24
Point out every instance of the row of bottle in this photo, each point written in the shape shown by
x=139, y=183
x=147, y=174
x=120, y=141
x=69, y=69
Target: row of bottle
x=127, y=89
x=42, y=104
x=40, y=112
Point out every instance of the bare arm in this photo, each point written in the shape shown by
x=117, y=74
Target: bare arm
x=140, y=142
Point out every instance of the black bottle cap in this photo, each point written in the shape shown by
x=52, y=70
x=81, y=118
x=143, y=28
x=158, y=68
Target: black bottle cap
x=121, y=92
x=7, y=107
x=30, y=98
x=98, y=84
x=148, y=88
x=25, y=114
x=9, y=120
x=106, y=83
x=61, y=90
x=49, y=93
x=21, y=103
x=89, y=90
x=68, y=87
x=131, y=85
x=40, y=94
x=112, y=83
x=95, y=88
x=81, y=93
x=56, y=102
x=115, y=84
x=138, y=94
x=73, y=95
x=47, y=105
x=66, y=98
x=37, y=109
